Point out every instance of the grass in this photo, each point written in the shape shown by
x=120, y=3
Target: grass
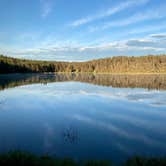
x=18, y=158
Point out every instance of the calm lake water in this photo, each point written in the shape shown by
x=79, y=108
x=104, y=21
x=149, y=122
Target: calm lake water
x=83, y=116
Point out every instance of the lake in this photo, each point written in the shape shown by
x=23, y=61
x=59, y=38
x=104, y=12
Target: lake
x=83, y=116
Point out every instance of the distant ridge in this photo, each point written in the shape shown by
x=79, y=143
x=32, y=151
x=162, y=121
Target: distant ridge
x=118, y=65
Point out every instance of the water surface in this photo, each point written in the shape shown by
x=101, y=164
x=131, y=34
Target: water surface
x=83, y=116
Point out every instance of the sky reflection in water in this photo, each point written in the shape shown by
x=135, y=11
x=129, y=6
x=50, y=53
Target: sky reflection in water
x=83, y=121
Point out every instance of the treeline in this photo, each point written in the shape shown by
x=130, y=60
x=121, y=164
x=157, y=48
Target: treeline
x=121, y=64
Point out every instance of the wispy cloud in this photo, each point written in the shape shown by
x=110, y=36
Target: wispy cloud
x=138, y=17
x=46, y=7
x=108, y=12
x=159, y=36
x=149, y=29
x=146, y=45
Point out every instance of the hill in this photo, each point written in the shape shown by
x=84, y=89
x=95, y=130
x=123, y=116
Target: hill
x=120, y=64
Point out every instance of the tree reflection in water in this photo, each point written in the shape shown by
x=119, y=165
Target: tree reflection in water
x=148, y=81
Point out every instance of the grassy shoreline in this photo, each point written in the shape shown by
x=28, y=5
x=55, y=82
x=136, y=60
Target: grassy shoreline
x=20, y=158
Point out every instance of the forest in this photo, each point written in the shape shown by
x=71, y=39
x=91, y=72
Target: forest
x=118, y=64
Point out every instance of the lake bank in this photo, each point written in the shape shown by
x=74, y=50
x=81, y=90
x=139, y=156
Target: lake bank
x=28, y=159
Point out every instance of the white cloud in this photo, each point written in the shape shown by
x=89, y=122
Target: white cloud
x=46, y=7
x=108, y=12
x=148, y=29
x=138, y=17
x=147, y=43
x=159, y=36
x=79, y=52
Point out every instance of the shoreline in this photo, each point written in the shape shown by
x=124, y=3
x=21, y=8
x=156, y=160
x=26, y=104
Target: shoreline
x=25, y=159
x=93, y=73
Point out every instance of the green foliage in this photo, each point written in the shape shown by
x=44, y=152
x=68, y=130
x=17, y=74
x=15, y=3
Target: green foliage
x=18, y=158
x=142, y=161
x=97, y=163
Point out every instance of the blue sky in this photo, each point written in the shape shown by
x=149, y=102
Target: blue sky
x=79, y=30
